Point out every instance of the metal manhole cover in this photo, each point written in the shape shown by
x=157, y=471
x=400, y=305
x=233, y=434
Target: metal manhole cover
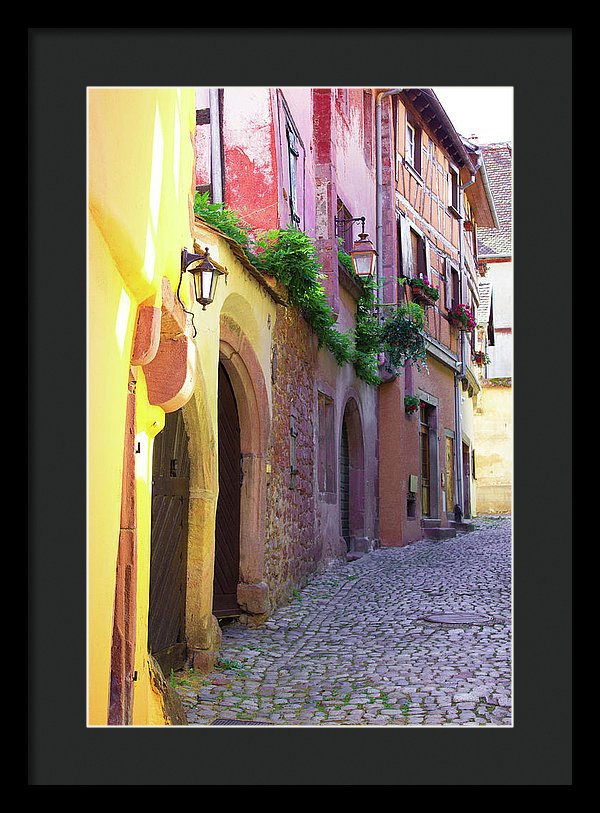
x=236, y=722
x=457, y=618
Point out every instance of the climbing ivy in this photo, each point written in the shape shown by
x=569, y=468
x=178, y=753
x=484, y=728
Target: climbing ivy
x=224, y=219
x=290, y=257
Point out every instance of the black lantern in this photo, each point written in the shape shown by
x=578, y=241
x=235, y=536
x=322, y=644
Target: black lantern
x=206, y=275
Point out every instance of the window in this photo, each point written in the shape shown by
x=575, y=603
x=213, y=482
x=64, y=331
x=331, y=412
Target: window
x=412, y=152
x=293, y=155
x=292, y=168
x=345, y=227
x=412, y=255
x=452, y=285
x=453, y=190
x=326, y=449
x=418, y=254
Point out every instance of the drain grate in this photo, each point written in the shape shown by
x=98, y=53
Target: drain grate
x=236, y=722
x=458, y=618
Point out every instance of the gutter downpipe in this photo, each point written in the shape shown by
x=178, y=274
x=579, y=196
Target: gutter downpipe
x=461, y=371
x=216, y=166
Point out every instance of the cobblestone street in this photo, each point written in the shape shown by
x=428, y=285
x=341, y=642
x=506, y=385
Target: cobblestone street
x=417, y=636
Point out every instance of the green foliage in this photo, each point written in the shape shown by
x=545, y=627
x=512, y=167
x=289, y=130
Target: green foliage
x=402, y=336
x=224, y=219
x=422, y=284
x=411, y=403
x=367, y=336
x=229, y=663
x=481, y=357
x=290, y=257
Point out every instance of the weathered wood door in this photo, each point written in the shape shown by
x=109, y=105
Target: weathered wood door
x=466, y=459
x=168, y=553
x=450, y=486
x=227, y=531
x=425, y=468
x=345, y=485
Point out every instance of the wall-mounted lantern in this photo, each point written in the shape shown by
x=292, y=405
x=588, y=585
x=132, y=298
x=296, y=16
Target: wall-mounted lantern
x=206, y=275
x=363, y=253
x=363, y=256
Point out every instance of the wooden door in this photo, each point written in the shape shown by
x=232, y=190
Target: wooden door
x=450, y=489
x=168, y=553
x=227, y=532
x=466, y=458
x=424, y=463
x=345, y=485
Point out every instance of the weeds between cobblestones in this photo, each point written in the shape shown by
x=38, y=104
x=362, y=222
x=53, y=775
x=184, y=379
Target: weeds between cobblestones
x=355, y=648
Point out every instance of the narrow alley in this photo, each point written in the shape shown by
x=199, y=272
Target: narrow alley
x=418, y=635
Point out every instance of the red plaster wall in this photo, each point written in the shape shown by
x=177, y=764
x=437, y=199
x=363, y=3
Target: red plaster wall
x=399, y=450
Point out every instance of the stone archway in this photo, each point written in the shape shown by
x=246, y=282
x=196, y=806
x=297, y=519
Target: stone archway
x=352, y=479
x=247, y=380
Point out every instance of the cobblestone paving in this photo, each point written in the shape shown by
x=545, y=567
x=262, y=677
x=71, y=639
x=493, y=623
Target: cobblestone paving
x=353, y=648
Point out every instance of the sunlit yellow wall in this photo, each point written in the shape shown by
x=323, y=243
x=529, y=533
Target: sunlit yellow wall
x=140, y=177
x=493, y=426
x=241, y=301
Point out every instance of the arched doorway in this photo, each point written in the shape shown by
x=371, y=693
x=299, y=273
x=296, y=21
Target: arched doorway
x=227, y=530
x=168, y=545
x=352, y=476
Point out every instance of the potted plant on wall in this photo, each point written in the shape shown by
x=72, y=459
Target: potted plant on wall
x=411, y=404
x=481, y=358
x=461, y=317
x=423, y=293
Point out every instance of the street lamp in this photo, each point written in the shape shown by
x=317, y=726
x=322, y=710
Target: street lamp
x=363, y=256
x=206, y=275
x=363, y=253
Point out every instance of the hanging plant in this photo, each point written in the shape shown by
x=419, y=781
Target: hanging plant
x=462, y=318
x=402, y=336
x=411, y=404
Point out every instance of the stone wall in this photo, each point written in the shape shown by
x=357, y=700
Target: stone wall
x=290, y=539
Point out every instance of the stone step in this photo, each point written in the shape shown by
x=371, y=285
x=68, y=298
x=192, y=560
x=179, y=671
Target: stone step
x=464, y=527
x=430, y=523
x=439, y=533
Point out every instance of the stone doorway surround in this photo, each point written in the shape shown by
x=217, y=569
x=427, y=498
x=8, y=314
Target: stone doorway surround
x=351, y=419
x=247, y=379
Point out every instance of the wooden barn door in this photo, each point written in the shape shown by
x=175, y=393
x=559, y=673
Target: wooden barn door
x=168, y=555
x=227, y=532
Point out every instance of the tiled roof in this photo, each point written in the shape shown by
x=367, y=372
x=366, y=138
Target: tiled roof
x=498, y=165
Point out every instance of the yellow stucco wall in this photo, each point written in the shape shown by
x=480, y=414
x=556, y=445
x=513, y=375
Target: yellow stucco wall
x=140, y=181
x=493, y=421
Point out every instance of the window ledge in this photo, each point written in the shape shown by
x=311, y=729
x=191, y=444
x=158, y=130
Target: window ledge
x=454, y=212
x=414, y=172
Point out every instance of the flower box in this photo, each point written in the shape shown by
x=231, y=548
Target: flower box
x=461, y=318
x=411, y=404
x=481, y=358
x=422, y=292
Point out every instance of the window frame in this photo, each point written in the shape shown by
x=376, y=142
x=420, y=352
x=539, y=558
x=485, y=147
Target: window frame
x=454, y=190
x=413, y=157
